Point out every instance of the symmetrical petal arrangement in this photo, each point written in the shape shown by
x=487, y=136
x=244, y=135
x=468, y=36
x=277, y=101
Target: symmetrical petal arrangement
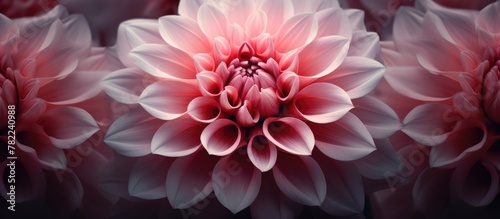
x=254, y=86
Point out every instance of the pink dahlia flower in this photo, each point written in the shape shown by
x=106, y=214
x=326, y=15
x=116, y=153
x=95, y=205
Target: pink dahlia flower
x=47, y=68
x=251, y=100
x=448, y=59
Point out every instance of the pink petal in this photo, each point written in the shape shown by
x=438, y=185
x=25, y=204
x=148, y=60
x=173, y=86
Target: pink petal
x=429, y=124
x=345, y=193
x=455, y=28
x=204, y=109
x=381, y=163
x=177, y=138
x=265, y=47
x=288, y=62
x=356, y=18
x=148, y=177
x=269, y=103
x=238, y=11
x=189, y=180
x=365, y=44
x=335, y=16
x=67, y=127
x=296, y=32
x=210, y=83
x=163, y=61
x=277, y=12
x=488, y=14
x=322, y=103
x=221, y=137
x=380, y=120
x=190, y=8
x=212, y=21
x=466, y=140
x=357, y=76
x=77, y=28
x=439, y=57
x=126, y=85
x=222, y=51
x=38, y=144
x=236, y=182
x=261, y=152
x=247, y=115
x=133, y=33
x=287, y=86
x=476, y=184
x=314, y=5
x=345, y=139
x=408, y=81
x=256, y=23
x=131, y=134
x=168, y=100
x=289, y=134
x=322, y=56
x=229, y=100
x=203, y=62
x=183, y=33
x=301, y=179
x=407, y=23
x=271, y=203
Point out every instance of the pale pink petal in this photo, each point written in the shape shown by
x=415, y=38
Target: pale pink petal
x=322, y=56
x=33, y=109
x=345, y=139
x=365, y=44
x=296, y=32
x=301, y=179
x=76, y=87
x=466, y=140
x=171, y=106
x=221, y=137
x=265, y=47
x=133, y=33
x=190, y=8
x=210, y=83
x=455, y=28
x=408, y=81
x=126, y=85
x=287, y=86
x=335, y=16
x=345, y=193
x=476, y=184
x=261, y=152
x=429, y=124
x=222, y=51
x=439, y=57
x=322, y=103
x=236, y=182
x=313, y=5
x=188, y=179
x=381, y=163
x=357, y=76
x=131, y=134
x=271, y=203
x=76, y=28
x=177, y=138
x=237, y=11
x=407, y=23
x=288, y=62
x=183, y=33
x=212, y=21
x=380, y=120
x=269, y=103
x=488, y=14
x=289, y=134
x=163, y=61
x=204, y=109
x=148, y=177
x=277, y=11
x=256, y=24
x=67, y=127
x=356, y=18
x=203, y=62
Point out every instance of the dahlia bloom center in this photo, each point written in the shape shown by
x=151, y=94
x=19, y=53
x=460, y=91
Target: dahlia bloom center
x=491, y=93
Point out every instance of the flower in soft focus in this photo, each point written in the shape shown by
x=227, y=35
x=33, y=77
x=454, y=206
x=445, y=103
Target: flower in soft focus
x=26, y=8
x=47, y=68
x=251, y=100
x=448, y=59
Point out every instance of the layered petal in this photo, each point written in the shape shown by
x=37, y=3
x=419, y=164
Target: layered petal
x=148, y=177
x=289, y=134
x=221, y=137
x=174, y=138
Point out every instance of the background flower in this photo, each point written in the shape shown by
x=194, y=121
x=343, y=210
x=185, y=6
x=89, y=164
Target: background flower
x=447, y=60
x=235, y=97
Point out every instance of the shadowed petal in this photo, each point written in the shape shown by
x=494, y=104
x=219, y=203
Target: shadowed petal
x=148, y=177
x=221, y=137
x=204, y=109
x=345, y=139
x=126, y=85
x=261, y=151
x=377, y=116
x=301, y=179
x=177, y=138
